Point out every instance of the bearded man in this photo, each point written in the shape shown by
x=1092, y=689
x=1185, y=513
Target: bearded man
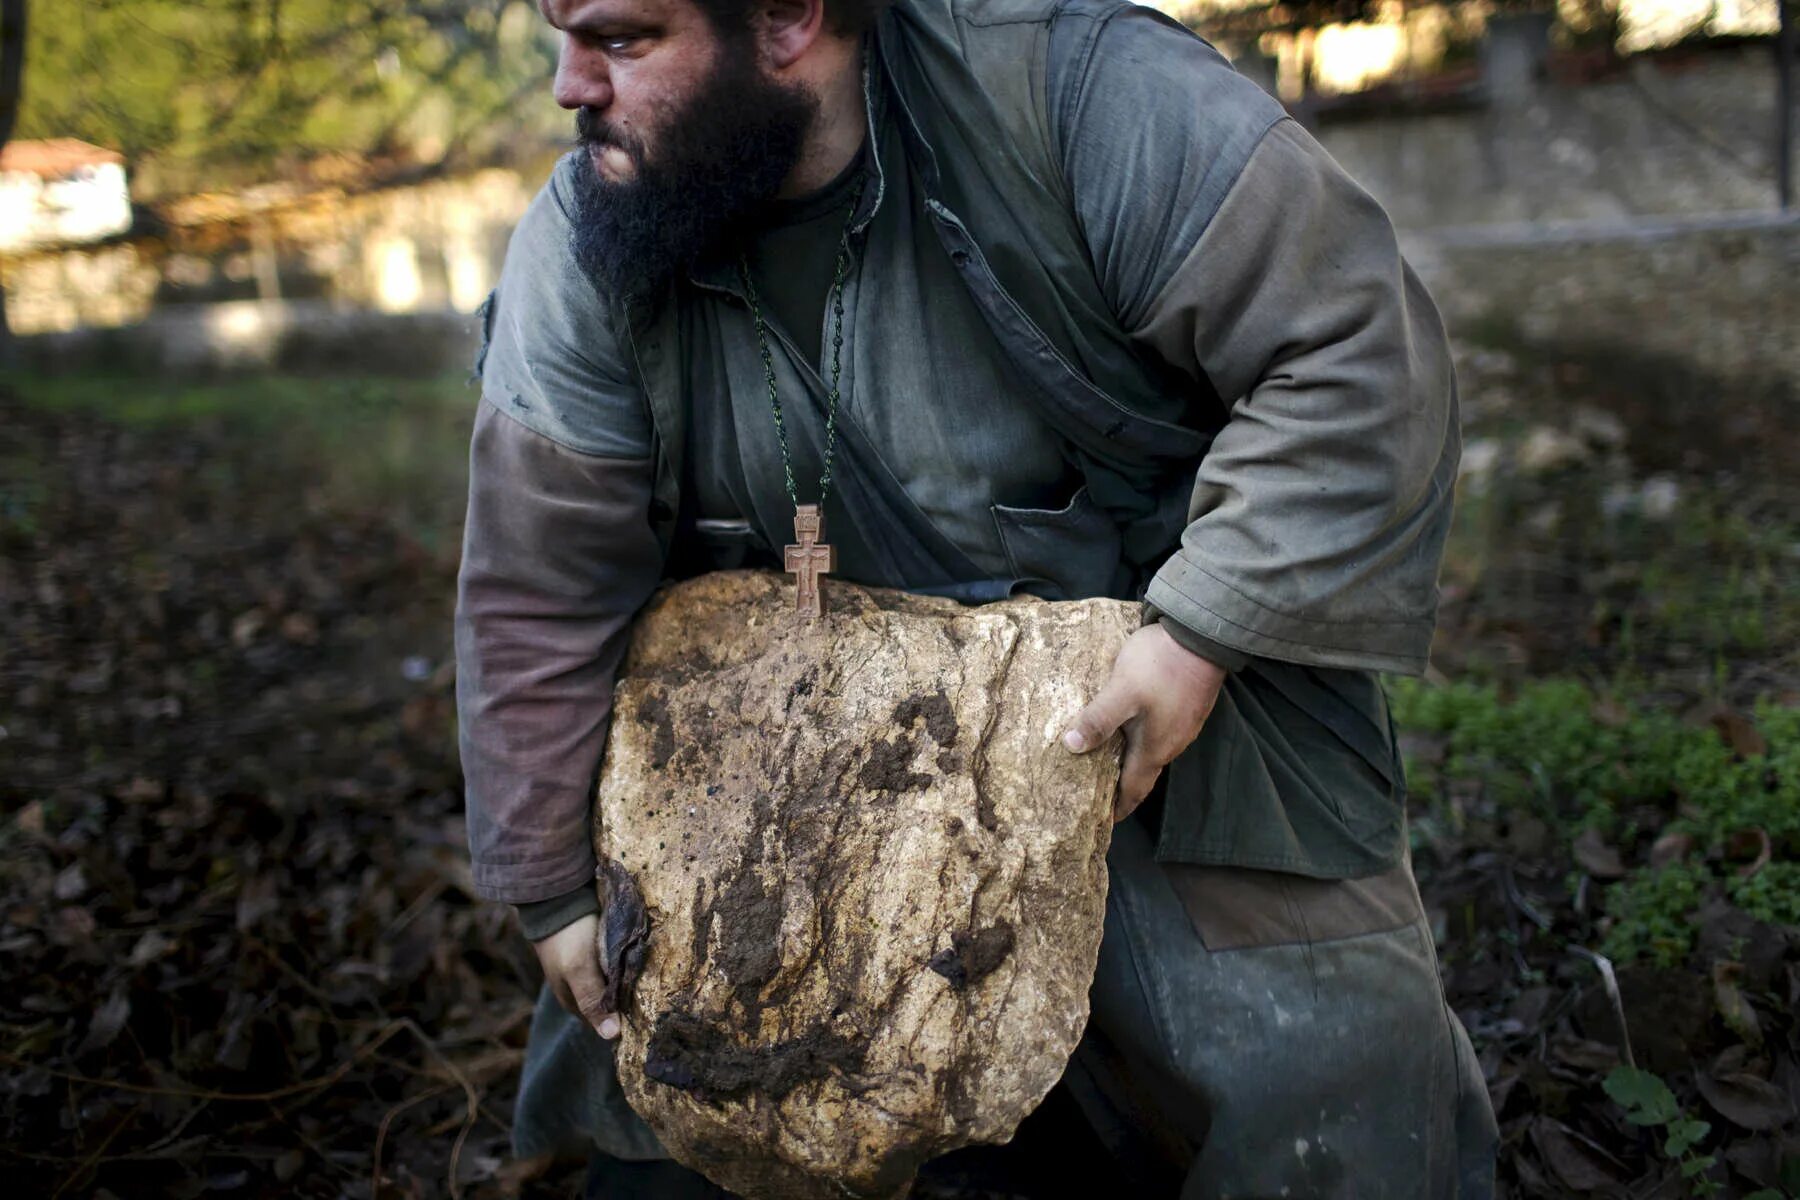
x=1045, y=298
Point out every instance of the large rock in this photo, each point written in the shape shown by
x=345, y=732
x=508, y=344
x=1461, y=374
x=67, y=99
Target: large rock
x=875, y=880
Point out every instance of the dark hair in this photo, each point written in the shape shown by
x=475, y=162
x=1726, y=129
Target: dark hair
x=846, y=18
x=849, y=18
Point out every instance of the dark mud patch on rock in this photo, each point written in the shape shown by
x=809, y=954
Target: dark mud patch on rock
x=939, y=718
x=749, y=954
x=748, y=914
x=960, y=1100
x=984, y=809
x=696, y=1056
x=973, y=956
x=889, y=768
x=625, y=932
x=802, y=686
x=653, y=711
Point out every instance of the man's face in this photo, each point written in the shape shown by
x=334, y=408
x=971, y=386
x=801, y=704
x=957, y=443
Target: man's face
x=628, y=67
x=685, y=133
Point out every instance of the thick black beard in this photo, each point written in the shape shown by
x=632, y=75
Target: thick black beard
x=724, y=153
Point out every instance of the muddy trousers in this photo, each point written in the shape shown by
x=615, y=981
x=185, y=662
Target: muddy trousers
x=1252, y=1035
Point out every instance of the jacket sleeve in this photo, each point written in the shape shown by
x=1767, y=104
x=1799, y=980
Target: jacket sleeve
x=1233, y=247
x=558, y=556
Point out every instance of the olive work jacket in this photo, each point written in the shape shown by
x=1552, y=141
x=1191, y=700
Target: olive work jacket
x=1115, y=326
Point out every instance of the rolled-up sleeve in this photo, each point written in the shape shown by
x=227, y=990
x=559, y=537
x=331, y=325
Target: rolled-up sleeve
x=1233, y=247
x=558, y=556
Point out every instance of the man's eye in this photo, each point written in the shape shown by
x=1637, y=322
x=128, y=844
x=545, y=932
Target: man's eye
x=620, y=44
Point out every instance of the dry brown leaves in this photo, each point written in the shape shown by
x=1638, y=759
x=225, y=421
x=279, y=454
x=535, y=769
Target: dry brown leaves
x=241, y=951
x=1721, y=1028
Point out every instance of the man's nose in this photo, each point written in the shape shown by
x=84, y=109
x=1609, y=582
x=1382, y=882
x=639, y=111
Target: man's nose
x=582, y=79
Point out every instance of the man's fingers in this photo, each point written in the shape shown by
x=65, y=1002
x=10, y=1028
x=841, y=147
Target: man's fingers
x=571, y=962
x=1100, y=719
x=588, y=986
x=1160, y=694
x=1137, y=771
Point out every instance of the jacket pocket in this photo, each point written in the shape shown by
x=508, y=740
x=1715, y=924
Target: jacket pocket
x=1277, y=786
x=1068, y=553
x=714, y=544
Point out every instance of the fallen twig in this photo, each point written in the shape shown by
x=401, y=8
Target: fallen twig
x=323, y=1081
x=88, y=1163
x=381, y=1132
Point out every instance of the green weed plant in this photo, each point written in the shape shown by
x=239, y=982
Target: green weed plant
x=1649, y=1103
x=1562, y=753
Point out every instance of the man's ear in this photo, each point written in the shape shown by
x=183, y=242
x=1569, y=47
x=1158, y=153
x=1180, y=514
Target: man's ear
x=787, y=29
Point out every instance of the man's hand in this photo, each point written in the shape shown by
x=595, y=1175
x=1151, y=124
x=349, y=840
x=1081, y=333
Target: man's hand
x=571, y=962
x=1160, y=694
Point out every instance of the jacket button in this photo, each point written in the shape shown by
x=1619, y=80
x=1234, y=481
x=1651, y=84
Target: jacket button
x=960, y=257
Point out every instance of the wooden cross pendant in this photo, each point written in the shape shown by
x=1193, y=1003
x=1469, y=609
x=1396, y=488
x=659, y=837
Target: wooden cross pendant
x=809, y=560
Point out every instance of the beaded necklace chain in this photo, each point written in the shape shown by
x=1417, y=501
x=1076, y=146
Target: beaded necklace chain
x=811, y=557
x=836, y=300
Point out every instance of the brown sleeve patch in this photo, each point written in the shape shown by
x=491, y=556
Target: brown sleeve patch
x=1236, y=908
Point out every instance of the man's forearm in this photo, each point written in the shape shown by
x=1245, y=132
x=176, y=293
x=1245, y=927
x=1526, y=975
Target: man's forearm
x=558, y=556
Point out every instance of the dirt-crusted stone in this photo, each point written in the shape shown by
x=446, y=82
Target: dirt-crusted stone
x=875, y=880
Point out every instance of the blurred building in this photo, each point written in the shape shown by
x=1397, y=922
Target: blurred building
x=61, y=192
x=1302, y=48
x=433, y=245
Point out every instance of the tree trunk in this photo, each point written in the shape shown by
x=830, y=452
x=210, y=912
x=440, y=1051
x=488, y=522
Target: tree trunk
x=12, y=79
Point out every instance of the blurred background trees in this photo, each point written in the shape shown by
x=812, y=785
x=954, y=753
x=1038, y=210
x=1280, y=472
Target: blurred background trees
x=212, y=94
x=208, y=93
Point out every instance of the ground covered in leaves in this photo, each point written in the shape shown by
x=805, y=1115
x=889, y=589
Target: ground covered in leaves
x=1605, y=774
x=244, y=958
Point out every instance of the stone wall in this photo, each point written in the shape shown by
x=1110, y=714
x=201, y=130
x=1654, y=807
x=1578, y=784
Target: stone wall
x=1716, y=298
x=1666, y=136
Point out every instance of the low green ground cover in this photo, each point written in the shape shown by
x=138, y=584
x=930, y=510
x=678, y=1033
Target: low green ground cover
x=1687, y=812
x=1616, y=692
